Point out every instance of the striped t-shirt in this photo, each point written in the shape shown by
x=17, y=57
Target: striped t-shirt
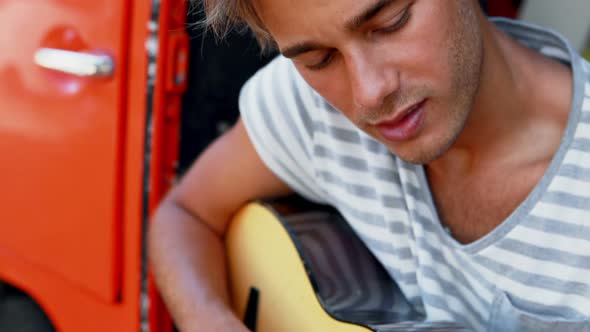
x=532, y=272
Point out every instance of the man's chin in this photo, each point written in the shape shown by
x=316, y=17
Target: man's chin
x=418, y=159
x=429, y=146
x=420, y=154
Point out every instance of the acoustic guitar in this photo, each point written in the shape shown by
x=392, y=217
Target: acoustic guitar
x=303, y=269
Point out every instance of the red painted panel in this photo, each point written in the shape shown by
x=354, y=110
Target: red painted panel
x=61, y=142
x=172, y=66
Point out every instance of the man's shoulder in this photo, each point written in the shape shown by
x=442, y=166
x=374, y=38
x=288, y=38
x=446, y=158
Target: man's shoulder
x=278, y=80
x=280, y=70
x=280, y=88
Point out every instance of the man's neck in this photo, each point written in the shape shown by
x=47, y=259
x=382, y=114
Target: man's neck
x=517, y=118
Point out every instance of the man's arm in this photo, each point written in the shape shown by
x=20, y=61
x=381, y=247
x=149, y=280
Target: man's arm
x=186, y=234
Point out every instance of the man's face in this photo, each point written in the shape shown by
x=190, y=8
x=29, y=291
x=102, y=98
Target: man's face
x=404, y=71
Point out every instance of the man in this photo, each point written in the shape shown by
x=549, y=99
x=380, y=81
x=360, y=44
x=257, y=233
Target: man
x=457, y=148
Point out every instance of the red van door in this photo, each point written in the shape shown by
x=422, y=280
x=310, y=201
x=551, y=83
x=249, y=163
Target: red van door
x=62, y=122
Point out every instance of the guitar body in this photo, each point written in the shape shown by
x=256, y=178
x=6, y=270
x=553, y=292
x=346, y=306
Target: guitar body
x=306, y=270
x=262, y=255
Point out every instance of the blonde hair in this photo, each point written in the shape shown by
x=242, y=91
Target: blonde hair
x=223, y=16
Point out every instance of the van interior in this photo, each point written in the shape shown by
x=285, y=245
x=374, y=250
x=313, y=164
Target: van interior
x=217, y=71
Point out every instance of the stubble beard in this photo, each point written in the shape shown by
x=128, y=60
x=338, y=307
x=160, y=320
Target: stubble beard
x=466, y=61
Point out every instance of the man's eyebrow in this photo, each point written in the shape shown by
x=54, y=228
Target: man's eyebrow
x=367, y=14
x=352, y=24
x=295, y=50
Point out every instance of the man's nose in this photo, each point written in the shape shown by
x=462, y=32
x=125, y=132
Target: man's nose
x=371, y=81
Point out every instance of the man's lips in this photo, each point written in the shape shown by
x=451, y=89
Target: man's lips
x=404, y=124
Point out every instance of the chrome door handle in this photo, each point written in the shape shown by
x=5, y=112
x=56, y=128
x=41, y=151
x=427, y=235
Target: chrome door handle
x=75, y=63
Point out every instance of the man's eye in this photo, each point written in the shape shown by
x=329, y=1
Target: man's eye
x=322, y=64
x=397, y=25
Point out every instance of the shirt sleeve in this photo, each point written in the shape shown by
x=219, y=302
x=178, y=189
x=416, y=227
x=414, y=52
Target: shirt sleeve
x=274, y=106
